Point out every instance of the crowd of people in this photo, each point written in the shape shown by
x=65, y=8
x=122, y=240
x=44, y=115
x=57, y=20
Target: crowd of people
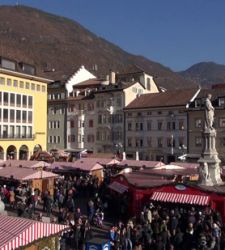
x=159, y=227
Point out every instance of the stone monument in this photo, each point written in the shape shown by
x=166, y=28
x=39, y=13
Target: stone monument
x=209, y=169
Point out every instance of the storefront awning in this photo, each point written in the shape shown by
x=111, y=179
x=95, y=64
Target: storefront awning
x=118, y=187
x=202, y=200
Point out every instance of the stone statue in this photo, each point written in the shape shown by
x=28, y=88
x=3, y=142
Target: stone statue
x=209, y=113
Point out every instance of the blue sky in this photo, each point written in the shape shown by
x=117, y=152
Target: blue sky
x=176, y=33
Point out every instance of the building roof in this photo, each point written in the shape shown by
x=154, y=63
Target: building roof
x=18, y=232
x=24, y=174
x=163, y=99
x=112, y=87
x=216, y=92
x=140, y=164
x=88, y=83
x=24, y=164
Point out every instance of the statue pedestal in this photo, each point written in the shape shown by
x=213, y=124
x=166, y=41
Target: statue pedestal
x=209, y=170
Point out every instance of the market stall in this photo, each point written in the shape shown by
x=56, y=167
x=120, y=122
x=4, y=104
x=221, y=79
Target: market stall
x=17, y=233
x=36, y=179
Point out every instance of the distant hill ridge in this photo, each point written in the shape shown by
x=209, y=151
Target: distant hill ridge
x=49, y=41
x=205, y=73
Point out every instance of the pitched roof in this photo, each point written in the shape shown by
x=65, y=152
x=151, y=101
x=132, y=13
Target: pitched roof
x=163, y=99
x=18, y=173
x=17, y=232
x=146, y=164
x=24, y=164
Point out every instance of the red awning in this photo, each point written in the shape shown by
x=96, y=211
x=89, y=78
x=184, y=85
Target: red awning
x=18, y=232
x=194, y=199
x=118, y=187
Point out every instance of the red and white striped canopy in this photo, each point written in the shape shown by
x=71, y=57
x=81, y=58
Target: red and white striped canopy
x=194, y=199
x=17, y=232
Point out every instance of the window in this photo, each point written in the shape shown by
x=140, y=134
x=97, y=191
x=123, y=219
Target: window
x=24, y=101
x=149, y=125
x=11, y=131
x=148, y=84
x=2, y=81
x=160, y=144
x=18, y=132
x=141, y=126
x=198, y=123
x=129, y=126
x=8, y=64
x=12, y=115
x=38, y=87
x=29, y=132
x=32, y=86
x=118, y=101
x=59, y=139
x=221, y=102
x=170, y=142
x=5, y=131
x=18, y=100
x=129, y=142
x=72, y=138
x=149, y=141
x=24, y=116
x=72, y=124
x=9, y=82
x=91, y=123
x=181, y=124
x=27, y=85
x=90, y=138
x=28, y=69
x=30, y=117
x=21, y=84
x=24, y=131
x=197, y=103
x=5, y=115
x=12, y=99
x=15, y=83
x=30, y=102
x=43, y=89
x=18, y=116
x=198, y=141
x=129, y=114
x=222, y=122
x=181, y=142
x=0, y=97
x=6, y=98
x=159, y=125
x=139, y=114
x=173, y=125
x=168, y=125
x=137, y=126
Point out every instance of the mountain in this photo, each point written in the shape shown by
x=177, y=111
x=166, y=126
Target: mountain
x=54, y=42
x=205, y=73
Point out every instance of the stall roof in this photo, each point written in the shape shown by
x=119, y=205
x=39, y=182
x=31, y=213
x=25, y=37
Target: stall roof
x=144, y=181
x=24, y=163
x=145, y=164
x=18, y=232
x=85, y=164
x=171, y=172
x=24, y=174
x=185, y=164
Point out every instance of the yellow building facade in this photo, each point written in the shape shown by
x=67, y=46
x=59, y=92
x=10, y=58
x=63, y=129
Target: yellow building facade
x=23, y=114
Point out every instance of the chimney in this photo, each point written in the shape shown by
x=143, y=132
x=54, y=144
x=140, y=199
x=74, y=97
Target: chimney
x=112, y=77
